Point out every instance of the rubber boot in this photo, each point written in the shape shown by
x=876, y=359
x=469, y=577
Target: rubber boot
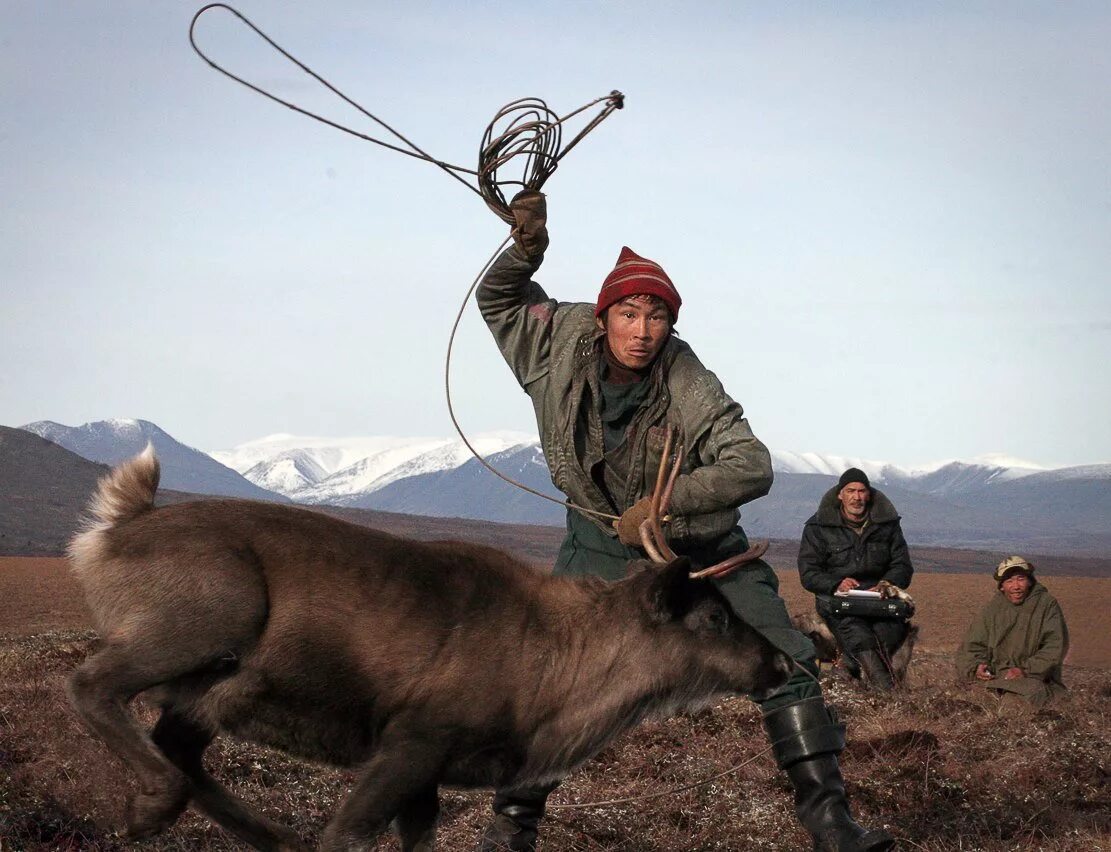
x=806, y=739
x=517, y=815
x=876, y=670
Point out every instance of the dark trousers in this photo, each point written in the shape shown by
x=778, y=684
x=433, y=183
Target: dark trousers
x=856, y=635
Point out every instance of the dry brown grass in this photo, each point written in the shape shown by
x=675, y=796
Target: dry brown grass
x=947, y=603
x=38, y=594
x=933, y=763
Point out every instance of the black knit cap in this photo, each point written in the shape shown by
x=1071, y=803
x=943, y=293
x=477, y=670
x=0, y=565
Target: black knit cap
x=853, y=474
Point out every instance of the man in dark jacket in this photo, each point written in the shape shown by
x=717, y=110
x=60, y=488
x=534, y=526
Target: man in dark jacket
x=854, y=541
x=606, y=381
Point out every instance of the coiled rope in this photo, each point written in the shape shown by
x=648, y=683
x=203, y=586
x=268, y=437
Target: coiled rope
x=524, y=128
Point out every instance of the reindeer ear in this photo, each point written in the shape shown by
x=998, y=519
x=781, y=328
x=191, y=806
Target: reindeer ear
x=668, y=593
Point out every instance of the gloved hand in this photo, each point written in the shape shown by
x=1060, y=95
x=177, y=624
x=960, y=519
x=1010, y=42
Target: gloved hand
x=628, y=525
x=530, y=210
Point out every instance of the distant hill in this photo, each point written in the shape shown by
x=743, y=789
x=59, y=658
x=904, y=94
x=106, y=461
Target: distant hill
x=471, y=491
x=183, y=468
x=999, y=516
x=44, y=489
x=993, y=503
x=1040, y=512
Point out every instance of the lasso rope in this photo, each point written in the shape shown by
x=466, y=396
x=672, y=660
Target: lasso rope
x=531, y=130
x=674, y=791
x=523, y=128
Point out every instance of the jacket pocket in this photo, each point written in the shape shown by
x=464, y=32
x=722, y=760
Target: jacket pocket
x=840, y=556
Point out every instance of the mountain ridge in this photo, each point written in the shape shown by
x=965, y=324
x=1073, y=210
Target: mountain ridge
x=974, y=504
x=183, y=468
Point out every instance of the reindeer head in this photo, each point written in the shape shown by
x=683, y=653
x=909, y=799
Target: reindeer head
x=691, y=618
x=730, y=649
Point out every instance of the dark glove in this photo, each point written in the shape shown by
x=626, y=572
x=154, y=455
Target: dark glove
x=530, y=210
x=628, y=525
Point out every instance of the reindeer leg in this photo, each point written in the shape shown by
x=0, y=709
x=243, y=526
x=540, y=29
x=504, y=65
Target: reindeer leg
x=183, y=741
x=394, y=784
x=416, y=821
x=100, y=690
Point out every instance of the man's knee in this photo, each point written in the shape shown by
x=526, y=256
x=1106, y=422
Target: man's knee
x=854, y=635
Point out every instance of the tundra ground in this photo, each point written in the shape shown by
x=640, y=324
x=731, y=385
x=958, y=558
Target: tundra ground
x=934, y=763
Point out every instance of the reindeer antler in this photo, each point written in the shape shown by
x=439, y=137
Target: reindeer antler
x=729, y=565
x=651, y=530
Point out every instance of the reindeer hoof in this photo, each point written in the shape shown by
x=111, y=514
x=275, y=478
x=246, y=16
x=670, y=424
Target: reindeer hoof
x=148, y=814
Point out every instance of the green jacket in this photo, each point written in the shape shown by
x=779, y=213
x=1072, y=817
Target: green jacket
x=1031, y=636
x=554, y=351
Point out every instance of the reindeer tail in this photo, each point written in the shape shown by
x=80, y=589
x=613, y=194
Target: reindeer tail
x=125, y=492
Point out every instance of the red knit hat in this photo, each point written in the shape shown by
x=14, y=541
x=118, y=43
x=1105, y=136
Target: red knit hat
x=635, y=276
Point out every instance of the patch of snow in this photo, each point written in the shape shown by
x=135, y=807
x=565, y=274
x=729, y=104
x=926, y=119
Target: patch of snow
x=378, y=470
x=122, y=423
x=829, y=465
x=327, y=469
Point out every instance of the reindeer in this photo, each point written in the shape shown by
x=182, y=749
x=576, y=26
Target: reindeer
x=422, y=664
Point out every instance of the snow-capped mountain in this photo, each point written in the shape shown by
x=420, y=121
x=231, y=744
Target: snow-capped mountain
x=329, y=454
x=183, y=468
x=287, y=473
x=991, y=502
x=343, y=471
x=469, y=490
x=940, y=476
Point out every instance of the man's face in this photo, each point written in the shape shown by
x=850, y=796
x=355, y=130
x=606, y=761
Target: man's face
x=636, y=330
x=1016, y=587
x=854, y=499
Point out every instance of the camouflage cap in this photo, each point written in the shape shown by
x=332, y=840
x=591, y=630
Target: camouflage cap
x=1011, y=565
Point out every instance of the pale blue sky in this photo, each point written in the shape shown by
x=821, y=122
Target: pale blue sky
x=890, y=223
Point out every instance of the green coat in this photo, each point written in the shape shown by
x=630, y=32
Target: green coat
x=1031, y=636
x=554, y=351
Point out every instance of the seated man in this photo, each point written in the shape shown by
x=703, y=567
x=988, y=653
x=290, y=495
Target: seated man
x=854, y=541
x=1016, y=646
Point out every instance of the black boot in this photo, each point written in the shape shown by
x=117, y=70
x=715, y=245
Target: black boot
x=517, y=815
x=876, y=670
x=806, y=740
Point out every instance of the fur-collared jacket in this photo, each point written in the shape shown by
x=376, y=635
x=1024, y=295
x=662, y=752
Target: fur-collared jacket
x=831, y=550
x=554, y=350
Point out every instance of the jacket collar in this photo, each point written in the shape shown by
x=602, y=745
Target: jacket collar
x=880, y=510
